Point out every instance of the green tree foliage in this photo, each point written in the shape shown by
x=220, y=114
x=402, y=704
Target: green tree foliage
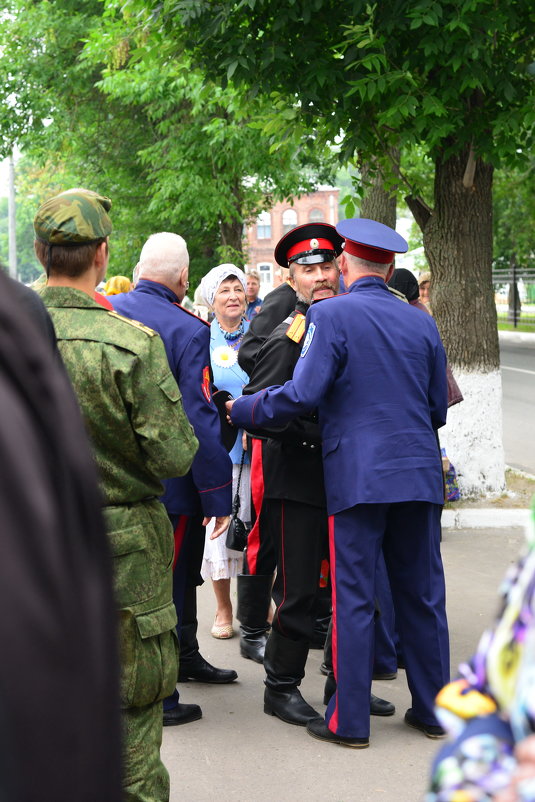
x=450, y=78
x=173, y=150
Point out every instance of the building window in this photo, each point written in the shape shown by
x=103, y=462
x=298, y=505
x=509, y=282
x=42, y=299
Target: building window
x=265, y=270
x=263, y=226
x=289, y=220
x=316, y=216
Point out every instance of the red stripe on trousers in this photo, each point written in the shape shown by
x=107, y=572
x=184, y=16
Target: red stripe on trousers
x=333, y=722
x=179, y=533
x=257, y=495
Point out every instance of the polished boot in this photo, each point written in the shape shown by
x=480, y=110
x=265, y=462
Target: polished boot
x=254, y=598
x=193, y=666
x=289, y=706
x=284, y=662
x=378, y=707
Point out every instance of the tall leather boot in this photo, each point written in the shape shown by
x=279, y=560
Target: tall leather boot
x=254, y=598
x=284, y=662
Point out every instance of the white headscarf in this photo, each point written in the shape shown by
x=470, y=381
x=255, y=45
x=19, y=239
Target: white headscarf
x=217, y=275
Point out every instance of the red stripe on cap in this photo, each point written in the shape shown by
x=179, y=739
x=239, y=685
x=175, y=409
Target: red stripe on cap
x=368, y=253
x=304, y=245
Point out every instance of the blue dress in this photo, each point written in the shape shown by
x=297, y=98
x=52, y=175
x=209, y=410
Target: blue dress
x=218, y=561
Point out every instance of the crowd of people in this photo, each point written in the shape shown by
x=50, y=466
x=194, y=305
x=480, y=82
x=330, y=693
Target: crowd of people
x=316, y=411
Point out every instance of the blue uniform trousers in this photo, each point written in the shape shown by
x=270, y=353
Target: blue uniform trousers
x=409, y=533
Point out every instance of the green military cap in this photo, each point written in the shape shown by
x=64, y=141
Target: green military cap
x=75, y=217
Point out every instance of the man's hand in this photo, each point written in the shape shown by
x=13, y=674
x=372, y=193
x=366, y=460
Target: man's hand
x=228, y=407
x=221, y=525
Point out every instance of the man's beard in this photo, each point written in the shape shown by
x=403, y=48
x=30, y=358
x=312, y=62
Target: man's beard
x=324, y=285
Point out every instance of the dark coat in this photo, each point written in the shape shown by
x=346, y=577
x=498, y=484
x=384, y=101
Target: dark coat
x=291, y=455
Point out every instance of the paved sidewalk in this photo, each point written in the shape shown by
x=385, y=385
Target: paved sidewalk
x=236, y=752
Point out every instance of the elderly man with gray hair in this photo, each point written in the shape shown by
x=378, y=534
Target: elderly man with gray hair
x=204, y=493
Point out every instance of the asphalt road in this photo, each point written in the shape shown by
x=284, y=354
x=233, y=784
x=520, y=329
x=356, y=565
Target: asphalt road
x=518, y=389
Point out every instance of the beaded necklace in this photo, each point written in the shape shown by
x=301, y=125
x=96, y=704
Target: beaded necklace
x=233, y=338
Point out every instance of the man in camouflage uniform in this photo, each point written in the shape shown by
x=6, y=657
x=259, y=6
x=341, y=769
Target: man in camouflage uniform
x=140, y=434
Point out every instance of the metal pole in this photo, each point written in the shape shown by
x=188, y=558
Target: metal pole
x=12, y=221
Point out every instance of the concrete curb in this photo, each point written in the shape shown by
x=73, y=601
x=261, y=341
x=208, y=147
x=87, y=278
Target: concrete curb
x=517, y=336
x=485, y=518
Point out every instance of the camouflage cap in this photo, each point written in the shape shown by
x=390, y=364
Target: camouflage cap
x=74, y=217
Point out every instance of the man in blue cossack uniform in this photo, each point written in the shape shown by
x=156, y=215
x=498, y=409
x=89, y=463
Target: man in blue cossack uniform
x=378, y=379
x=205, y=492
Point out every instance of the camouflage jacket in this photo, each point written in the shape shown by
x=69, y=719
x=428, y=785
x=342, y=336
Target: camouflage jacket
x=140, y=434
x=129, y=398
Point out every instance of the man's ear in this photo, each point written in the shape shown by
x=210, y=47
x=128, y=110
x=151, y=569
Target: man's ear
x=101, y=254
x=184, y=274
x=342, y=264
x=390, y=272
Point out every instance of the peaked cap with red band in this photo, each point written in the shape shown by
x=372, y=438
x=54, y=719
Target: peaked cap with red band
x=309, y=244
x=371, y=240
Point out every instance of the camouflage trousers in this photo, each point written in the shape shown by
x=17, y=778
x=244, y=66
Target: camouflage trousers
x=145, y=778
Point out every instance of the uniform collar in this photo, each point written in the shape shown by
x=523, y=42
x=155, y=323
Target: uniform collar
x=368, y=281
x=151, y=287
x=68, y=296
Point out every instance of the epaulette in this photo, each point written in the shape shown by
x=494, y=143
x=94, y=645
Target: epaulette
x=398, y=294
x=187, y=311
x=136, y=323
x=297, y=328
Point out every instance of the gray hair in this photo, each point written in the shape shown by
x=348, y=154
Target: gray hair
x=164, y=255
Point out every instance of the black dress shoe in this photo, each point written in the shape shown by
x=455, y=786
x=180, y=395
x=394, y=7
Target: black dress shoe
x=325, y=670
x=429, y=730
x=319, y=729
x=201, y=671
x=380, y=707
x=181, y=714
x=289, y=706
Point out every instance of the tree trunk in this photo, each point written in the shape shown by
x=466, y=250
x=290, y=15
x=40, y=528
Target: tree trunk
x=378, y=203
x=457, y=238
x=458, y=245
x=232, y=238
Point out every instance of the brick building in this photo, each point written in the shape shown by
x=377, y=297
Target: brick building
x=261, y=238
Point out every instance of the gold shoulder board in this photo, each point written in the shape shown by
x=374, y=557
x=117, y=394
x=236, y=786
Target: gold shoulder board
x=135, y=323
x=297, y=328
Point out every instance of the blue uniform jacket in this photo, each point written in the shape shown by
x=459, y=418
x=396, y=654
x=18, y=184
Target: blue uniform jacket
x=207, y=488
x=378, y=378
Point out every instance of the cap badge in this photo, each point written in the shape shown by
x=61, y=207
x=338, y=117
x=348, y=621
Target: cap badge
x=314, y=243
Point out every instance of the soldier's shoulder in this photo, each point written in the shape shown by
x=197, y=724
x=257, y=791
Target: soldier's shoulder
x=136, y=324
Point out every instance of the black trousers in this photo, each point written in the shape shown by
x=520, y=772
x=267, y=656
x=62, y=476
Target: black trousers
x=300, y=537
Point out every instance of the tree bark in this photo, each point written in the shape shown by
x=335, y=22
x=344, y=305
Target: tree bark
x=232, y=235
x=457, y=240
x=378, y=203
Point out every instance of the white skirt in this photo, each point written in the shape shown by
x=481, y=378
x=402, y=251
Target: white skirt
x=218, y=561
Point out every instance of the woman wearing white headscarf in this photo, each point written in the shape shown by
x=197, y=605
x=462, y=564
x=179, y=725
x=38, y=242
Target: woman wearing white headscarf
x=223, y=289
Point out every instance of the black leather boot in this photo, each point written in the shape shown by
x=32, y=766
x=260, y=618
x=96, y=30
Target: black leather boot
x=254, y=598
x=284, y=662
x=289, y=706
x=193, y=666
x=378, y=706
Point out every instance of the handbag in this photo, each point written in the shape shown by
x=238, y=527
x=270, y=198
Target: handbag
x=237, y=531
